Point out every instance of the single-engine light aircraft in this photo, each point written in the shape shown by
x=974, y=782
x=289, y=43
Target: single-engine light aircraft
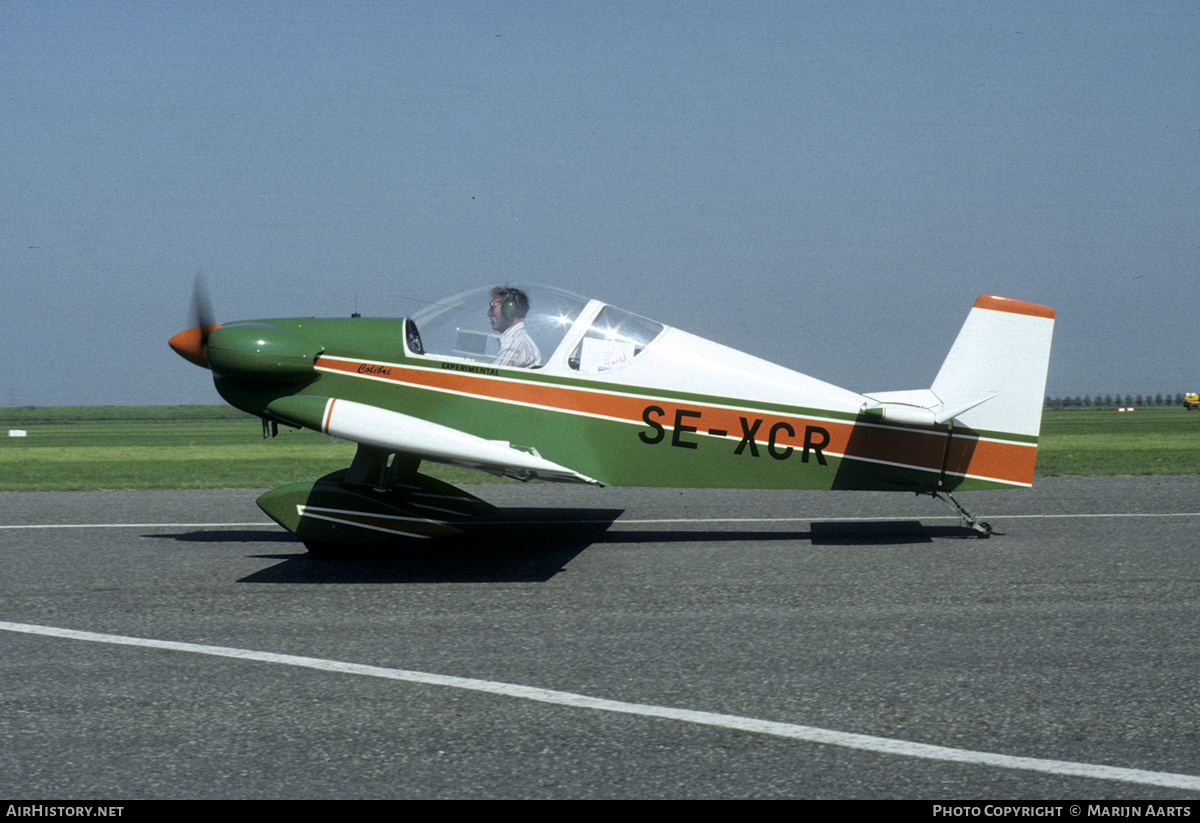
x=572, y=390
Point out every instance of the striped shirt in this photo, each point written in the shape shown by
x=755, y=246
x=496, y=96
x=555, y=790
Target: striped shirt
x=517, y=348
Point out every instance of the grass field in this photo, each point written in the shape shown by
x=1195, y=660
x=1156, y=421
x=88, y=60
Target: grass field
x=204, y=447
x=1097, y=442
x=165, y=447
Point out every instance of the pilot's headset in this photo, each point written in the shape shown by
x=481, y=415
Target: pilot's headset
x=512, y=307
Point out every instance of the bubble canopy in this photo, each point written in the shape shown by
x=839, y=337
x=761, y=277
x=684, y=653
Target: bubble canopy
x=571, y=332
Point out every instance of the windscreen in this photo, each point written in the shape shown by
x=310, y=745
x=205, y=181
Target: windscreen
x=614, y=338
x=459, y=327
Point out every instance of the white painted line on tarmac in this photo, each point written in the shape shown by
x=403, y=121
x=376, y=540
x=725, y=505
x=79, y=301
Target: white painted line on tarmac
x=810, y=734
x=138, y=525
x=836, y=519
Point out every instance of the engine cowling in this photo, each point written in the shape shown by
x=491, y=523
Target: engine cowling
x=261, y=351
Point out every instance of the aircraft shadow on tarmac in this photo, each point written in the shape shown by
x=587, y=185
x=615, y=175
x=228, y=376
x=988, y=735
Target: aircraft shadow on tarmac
x=533, y=545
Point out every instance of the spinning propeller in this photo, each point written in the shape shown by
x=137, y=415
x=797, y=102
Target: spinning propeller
x=256, y=352
x=192, y=344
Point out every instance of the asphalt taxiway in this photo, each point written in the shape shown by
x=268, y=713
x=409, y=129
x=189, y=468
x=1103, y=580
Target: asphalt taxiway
x=609, y=643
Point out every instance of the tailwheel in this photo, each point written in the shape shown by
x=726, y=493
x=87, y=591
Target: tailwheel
x=981, y=529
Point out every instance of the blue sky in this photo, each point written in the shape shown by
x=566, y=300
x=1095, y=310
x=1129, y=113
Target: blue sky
x=828, y=185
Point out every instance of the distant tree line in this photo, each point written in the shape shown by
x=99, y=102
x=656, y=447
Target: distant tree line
x=1114, y=401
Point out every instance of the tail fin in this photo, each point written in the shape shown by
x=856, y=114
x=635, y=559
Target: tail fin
x=990, y=390
x=1002, y=353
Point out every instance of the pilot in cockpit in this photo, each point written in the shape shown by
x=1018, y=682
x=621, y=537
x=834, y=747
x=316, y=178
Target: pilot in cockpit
x=507, y=311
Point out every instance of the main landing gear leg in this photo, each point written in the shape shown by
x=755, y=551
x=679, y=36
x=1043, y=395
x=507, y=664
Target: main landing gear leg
x=969, y=520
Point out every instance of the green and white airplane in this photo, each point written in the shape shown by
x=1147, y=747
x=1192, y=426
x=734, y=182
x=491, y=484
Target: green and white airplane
x=573, y=390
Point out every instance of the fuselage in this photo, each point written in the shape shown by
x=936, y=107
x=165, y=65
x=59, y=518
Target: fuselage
x=659, y=407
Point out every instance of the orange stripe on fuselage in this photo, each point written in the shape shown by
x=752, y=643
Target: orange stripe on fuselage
x=1006, y=462
x=991, y=459
x=906, y=447
x=968, y=455
x=559, y=398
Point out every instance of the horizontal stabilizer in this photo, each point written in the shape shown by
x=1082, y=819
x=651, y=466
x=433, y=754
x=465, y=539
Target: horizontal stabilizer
x=932, y=412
